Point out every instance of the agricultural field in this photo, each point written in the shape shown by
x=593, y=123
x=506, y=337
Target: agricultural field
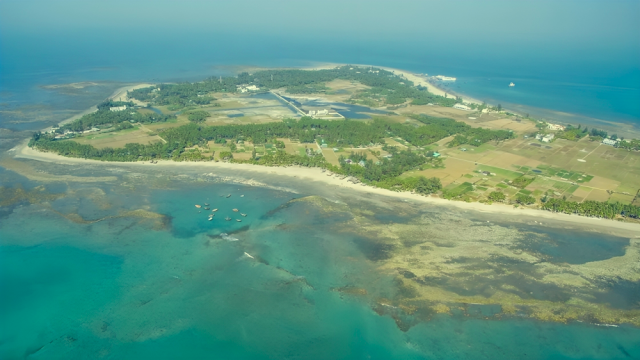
x=120, y=138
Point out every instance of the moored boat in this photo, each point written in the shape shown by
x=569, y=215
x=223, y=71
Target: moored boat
x=214, y=210
x=227, y=218
x=245, y=215
x=198, y=206
x=235, y=210
x=239, y=220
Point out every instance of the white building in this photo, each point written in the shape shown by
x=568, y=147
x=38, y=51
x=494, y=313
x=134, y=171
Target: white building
x=244, y=89
x=555, y=127
x=445, y=78
x=118, y=108
x=547, y=138
x=318, y=112
x=461, y=107
x=609, y=142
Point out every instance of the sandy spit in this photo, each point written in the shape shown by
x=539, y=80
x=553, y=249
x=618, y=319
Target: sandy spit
x=325, y=179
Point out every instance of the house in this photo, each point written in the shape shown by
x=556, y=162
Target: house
x=461, y=107
x=324, y=145
x=547, y=138
x=118, y=108
x=485, y=110
x=609, y=142
x=555, y=127
x=244, y=89
x=436, y=154
x=361, y=163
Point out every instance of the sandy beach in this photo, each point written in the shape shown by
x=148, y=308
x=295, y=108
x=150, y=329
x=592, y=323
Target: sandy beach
x=418, y=80
x=121, y=93
x=326, y=179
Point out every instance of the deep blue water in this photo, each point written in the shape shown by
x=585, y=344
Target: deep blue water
x=565, y=84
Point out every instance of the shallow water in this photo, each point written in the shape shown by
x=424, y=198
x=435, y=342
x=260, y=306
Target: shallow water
x=283, y=283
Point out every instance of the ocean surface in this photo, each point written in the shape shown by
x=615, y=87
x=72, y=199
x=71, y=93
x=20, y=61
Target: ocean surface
x=565, y=85
x=131, y=269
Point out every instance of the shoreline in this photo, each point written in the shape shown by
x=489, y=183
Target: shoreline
x=316, y=175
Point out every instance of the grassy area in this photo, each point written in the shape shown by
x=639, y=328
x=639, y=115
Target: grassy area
x=510, y=175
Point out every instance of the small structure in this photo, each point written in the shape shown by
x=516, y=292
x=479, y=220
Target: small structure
x=547, y=138
x=244, y=89
x=445, y=78
x=609, y=142
x=461, y=107
x=436, y=154
x=361, y=163
x=555, y=127
x=118, y=108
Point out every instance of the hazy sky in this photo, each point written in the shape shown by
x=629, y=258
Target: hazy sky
x=565, y=22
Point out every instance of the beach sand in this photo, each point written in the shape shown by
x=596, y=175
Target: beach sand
x=315, y=175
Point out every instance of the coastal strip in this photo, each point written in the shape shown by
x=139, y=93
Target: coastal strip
x=317, y=175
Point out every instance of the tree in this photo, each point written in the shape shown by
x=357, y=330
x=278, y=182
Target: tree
x=496, y=196
x=198, y=116
x=427, y=186
x=525, y=199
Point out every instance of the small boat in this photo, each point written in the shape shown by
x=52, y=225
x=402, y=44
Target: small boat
x=235, y=210
x=245, y=215
x=512, y=85
x=198, y=206
x=210, y=218
x=239, y=220
x=207, y=208
x=248, y=255
x=241, y=195
x=205, y=204
x=227, y=218
x=214, y=210
x=229, y=195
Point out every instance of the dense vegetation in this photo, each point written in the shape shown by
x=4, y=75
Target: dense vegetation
x=592, y=208
x=389, y=88
x=629, y=144
x=106, y=118
x=198, y=116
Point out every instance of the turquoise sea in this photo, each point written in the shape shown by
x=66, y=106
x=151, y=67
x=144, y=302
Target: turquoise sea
x=86, y=272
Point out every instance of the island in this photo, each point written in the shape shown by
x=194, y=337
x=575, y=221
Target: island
x=369, y=126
